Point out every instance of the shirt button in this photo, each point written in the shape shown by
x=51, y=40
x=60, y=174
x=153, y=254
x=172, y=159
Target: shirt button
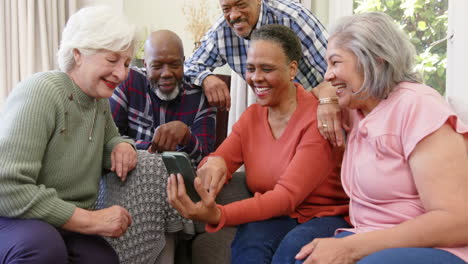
x=363, y=131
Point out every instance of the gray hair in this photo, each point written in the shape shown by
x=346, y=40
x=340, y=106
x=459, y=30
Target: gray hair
x=384, y=52
x=282, y=35
x=92, y=29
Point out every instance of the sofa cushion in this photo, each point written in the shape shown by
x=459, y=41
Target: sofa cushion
x=235, y=190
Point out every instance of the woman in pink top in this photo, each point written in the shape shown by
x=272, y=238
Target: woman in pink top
x=406, y=165
x=289, y=166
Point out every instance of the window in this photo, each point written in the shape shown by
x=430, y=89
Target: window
x=426, y=22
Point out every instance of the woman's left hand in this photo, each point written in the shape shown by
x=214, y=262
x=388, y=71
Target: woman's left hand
x=124, y=159
x=327, y=251
x=205, y=210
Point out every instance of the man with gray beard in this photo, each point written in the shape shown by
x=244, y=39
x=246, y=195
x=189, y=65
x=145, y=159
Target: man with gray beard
x=159, y=108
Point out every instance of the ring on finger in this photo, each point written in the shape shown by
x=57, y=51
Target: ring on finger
x=324, y=125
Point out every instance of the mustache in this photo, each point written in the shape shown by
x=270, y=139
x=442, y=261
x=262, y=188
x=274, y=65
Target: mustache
x=155, y=84
x=235, y=21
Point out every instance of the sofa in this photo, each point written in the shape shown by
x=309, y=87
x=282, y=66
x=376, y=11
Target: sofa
x=214, y=248
x=158, y=233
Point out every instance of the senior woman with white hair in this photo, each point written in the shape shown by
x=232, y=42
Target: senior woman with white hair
x=57, y=135
x=405, y=167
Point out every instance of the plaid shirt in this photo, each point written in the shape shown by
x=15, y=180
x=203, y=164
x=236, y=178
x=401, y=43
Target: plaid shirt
x=138, y=111
x=221, y=45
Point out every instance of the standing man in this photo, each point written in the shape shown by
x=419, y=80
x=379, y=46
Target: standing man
x=227, y=42
x=159, y=108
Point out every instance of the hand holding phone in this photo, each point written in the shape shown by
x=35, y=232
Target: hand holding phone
x=179, y=162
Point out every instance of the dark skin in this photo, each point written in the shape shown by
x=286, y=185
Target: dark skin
x=264, y=68
x=164, y=62
x=242, y=16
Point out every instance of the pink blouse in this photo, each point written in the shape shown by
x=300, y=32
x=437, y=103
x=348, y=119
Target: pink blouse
x=376, y=174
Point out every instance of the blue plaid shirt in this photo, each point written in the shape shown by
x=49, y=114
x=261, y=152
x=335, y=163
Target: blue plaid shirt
x=221, y=45
x=138, y=111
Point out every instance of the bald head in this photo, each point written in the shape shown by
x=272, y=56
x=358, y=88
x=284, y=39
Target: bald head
x=162, y=40
x=164, y=61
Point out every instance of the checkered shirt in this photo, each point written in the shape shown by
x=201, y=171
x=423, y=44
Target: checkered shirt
x=138, y=111
x=221, y=45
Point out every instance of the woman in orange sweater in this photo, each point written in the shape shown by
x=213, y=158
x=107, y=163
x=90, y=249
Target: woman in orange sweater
x=289, y=166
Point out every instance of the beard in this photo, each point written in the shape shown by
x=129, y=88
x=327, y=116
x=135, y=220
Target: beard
x=165, y=96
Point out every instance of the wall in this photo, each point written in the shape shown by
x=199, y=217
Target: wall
x=457, y=56
x=150, y=15
x=320, y=9
x=156, y=15
x=457, y=50
x=118, y=4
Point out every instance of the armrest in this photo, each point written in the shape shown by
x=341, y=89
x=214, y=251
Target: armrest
x=235, y=190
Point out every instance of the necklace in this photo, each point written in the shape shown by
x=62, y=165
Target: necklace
x=90, y=135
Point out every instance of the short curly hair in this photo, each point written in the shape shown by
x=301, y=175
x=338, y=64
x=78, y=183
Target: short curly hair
x=282, y=35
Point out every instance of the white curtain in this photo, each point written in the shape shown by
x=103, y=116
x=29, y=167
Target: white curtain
x=241, y=97
x=30, y=32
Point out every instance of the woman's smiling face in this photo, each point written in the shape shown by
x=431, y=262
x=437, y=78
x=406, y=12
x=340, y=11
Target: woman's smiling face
x=268, y=72
x=98, y=74
x=344, y=75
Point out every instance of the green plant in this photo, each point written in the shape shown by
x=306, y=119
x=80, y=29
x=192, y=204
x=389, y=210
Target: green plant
x=426, y=23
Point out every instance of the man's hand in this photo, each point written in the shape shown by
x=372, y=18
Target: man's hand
x=168, y=136
x=217, y=92
x=124, y=159
x=329, y=119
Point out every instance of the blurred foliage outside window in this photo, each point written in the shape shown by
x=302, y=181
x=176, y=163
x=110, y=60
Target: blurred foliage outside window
x=425, y=21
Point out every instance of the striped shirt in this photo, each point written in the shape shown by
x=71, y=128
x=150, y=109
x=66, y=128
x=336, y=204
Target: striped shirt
x=138, y=111
x=221, y=45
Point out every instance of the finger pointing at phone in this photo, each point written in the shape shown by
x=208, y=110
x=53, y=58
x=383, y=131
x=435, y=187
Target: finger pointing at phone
x=213, y=175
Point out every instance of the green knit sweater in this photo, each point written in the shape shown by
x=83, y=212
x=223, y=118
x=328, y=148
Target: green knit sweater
x=48, y=165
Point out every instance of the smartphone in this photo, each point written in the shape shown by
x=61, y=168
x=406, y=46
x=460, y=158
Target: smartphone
x=179, y=162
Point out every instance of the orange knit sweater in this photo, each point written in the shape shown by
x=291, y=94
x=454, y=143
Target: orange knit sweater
x=295, y=175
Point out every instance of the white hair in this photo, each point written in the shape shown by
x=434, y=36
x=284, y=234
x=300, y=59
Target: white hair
x=92, y=29
x=384, y=52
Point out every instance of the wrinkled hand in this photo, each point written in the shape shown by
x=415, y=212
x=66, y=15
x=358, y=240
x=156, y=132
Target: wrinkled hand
x=124, y=159
x=329, y=118
x=110, y=222
x=205, y=210
x=213, y=175
x=167, y=136
x=330, y=123
x=217, y=92
x=327, y=251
